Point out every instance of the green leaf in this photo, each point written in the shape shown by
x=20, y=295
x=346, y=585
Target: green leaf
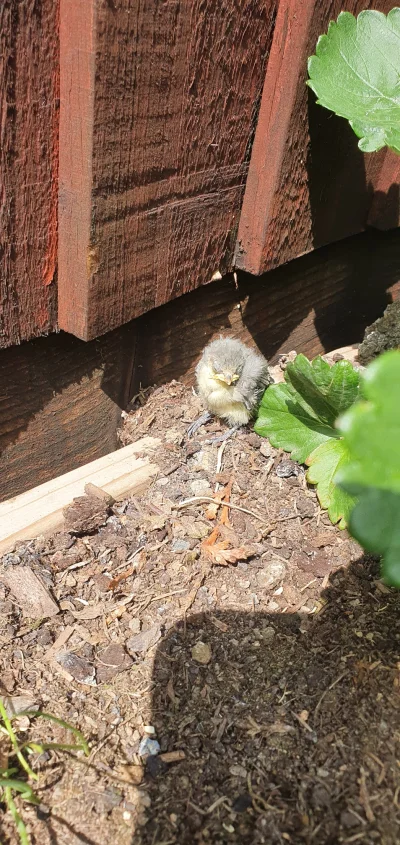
x=326, y=391
x=324, y=462
x=372, y=427
x=375, y=523
x=356, y=74
x=284, y=419
x=299, y=416
x=371, y=431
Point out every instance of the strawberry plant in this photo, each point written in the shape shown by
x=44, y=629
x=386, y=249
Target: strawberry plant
x=299, y=416
x=355, y=73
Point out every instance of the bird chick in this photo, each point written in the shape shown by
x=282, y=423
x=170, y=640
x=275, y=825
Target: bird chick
x=231, y=379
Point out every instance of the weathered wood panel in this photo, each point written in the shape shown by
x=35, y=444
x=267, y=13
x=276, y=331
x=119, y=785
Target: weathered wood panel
x=60, y=405
x=313, y=304
x=28, y=167
x=158, y=108
x=308, y=182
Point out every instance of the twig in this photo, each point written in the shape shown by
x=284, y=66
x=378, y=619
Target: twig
x=198, y=809
x=308, y=585
x=78, y=565
x=219, y=461
x=199, y=499
x=303, y=724
x=340, y=678
x=224, y=519
x=193, y=593
x=364, y=797
x=216, y=803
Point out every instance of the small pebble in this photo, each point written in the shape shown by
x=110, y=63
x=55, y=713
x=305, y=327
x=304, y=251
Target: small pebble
x=148, y=747
x=238, y=771
x=162, y=482
x=268, y=634
x=201, y=653
x=287, y=468
x=266, y=450
x=155, y=766
x=200, y=487
x=242, y=803
x=180, y=545
x=273, y=573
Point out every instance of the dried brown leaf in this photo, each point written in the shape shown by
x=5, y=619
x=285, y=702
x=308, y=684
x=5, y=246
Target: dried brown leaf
x=221, y=555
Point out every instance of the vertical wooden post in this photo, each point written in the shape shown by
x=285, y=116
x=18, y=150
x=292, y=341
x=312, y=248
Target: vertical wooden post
x=76, y=252
x=28, y=168
x=158, y=105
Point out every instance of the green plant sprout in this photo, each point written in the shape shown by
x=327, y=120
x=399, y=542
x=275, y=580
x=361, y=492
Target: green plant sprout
x=299, y=416
x=356, y=74
x=9, y=784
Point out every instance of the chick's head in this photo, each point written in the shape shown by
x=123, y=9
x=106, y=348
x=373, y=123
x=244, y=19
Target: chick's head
x=225, y=358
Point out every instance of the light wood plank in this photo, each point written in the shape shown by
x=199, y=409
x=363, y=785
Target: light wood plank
x=39, y=511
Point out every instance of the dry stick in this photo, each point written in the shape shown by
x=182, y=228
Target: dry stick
x=364, y=797
x=219, y=462
x=328, y=690
x=193, y=593
x=199, y=499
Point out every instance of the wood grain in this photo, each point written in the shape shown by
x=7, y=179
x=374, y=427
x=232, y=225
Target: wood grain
x=308, y=183
x=60, y=405
x=313, y=304
x=158, y=109
x=28, y=168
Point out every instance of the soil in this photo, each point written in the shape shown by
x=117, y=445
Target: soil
x=257, y=646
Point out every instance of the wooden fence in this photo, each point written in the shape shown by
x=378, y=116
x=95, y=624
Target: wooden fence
x=146, y=146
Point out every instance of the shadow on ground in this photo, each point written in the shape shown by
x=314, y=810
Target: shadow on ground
x=289, y=731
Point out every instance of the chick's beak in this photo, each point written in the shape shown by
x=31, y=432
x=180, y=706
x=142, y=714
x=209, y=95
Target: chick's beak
x=229, y=379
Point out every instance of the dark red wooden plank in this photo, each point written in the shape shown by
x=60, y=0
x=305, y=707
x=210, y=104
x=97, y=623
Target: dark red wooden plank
x=308, y=182
x=60, y=405
x=158, y=108
x=28, y=168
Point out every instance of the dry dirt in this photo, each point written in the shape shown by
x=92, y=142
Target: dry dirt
x=258, y=646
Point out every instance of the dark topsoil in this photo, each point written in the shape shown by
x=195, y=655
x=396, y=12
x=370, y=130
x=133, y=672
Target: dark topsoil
x=288, y=729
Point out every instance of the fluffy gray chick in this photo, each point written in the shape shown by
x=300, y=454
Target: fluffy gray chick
x=231, y=379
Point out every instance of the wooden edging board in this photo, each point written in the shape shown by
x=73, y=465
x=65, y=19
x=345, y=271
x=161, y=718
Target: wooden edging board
x=40, y=510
